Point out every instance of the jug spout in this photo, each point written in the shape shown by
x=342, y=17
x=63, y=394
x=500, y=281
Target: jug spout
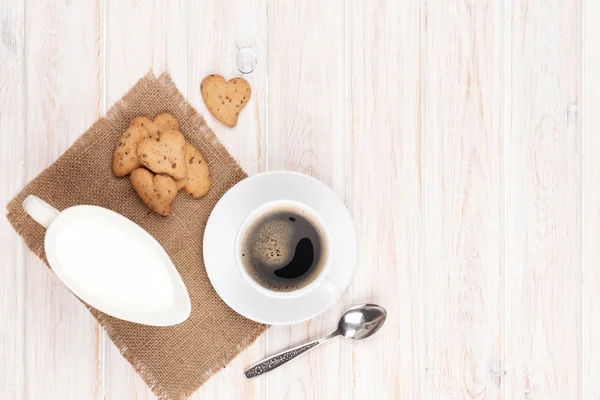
x=42, y=212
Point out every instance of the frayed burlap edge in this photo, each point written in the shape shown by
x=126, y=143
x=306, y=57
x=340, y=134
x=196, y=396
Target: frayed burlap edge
x=80, y=145
x=149, y=378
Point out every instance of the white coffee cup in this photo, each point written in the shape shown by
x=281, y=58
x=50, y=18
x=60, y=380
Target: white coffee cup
x=234, y=214
x=320, y=280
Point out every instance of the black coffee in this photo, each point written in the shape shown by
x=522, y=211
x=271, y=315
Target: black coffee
x=283, y=249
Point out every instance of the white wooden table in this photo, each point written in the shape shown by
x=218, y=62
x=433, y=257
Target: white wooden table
x=464, y=136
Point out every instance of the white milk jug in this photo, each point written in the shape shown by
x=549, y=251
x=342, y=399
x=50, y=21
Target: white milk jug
x=111, y=263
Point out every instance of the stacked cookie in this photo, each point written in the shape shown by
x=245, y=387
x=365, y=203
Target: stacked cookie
x=160, y=162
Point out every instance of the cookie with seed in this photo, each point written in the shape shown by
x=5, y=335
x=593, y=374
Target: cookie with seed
x=198, y=179
x=225, y=99
x=145, y=123
x=125, y=158
x=156, y=191
x=166, y=122
x=165, y=155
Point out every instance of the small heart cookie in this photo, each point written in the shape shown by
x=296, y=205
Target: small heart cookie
x=156, y=191
x=166, y=122
x=146, y=123
x=225, y=99
x=125, y=158
x=198, y=180
x=165, y=155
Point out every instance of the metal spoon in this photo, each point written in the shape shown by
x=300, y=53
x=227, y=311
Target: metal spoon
x=356, y=323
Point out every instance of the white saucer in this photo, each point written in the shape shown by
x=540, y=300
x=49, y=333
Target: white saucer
x=222, y=229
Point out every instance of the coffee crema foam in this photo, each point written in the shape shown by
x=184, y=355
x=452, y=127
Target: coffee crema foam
x=283, y=249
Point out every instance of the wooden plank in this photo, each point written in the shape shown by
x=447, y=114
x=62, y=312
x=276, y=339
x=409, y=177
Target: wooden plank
x=62, y=68
x=138, y=37
x=386, y=197
x=307, y=133
x=464, y=206
x=141, y=37
x=543, y=201
x=243, y=25
x=213, y=48
x=591, y=200
x=12, y=163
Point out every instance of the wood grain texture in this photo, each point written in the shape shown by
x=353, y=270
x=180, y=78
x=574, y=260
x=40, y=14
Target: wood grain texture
x=591, y=201
x=12, y=165
x=464, y=206
x=139, y=37
x=142, y=36
x=543, y=195
x=62, y=100
x=386, y=195
x=307, y=133
x=451, y=129
x=216, y=30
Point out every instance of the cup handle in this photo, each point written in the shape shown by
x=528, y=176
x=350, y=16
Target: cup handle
x=42, y=212
x=331, y=287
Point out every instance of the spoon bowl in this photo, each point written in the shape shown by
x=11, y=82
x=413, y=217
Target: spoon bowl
x=361, y=321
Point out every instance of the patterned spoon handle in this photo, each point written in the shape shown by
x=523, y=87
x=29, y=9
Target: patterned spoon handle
x=270, y=363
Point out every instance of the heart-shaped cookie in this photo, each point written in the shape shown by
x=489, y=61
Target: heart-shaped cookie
x=156, y=191
x=198, y=180
x=125, y=158
x=166, y=122
x=225, y=99
x=165, y=155
x=146, y=123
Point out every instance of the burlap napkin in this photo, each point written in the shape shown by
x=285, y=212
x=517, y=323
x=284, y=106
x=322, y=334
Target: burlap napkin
x=174, y=361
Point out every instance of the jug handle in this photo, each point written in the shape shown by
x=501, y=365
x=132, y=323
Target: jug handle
x=42, y=212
